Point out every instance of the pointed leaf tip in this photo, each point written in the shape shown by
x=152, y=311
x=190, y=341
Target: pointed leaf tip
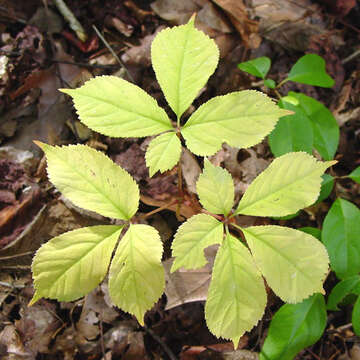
x=192, y=19
x=183, y=59
x=237, y=298
x=137, y=277
x=39, y=143
x=35, y=298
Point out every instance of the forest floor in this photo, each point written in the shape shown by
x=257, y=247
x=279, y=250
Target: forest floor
x=40, y=53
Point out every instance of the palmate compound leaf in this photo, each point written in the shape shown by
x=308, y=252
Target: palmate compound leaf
x=115, y=107
x=241, y=119
x=192, y=237
x=137, y=278
x=215, y=188
x=91, y=180
x=237, y=297
x=183, y=59
x=163, y=153
x=291, y=182
x=293, y=263
x=72, y=264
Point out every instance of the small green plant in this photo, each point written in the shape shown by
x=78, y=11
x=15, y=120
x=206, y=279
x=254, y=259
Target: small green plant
x=313, y=127
x=293, y=263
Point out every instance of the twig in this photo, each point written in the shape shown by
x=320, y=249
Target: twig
x=351, y=57
x=314, y=355
x=71, y=19
x=16, y=267
x=277, y=94
x=180, y=190
x=10, y=16
x=99, y=66
x=16, y=255
x=166, y=206
x=113, y=53
x=11, y=286
x=168, y=351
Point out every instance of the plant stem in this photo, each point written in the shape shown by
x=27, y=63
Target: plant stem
x=166, y=206
x=281, y=83
x=180, y=190
x=236, y=226
x=277, y=94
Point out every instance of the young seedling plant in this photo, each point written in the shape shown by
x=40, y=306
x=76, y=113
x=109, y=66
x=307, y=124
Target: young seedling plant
x=293, y=263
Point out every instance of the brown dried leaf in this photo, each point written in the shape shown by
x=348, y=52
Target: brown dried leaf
x=238, y=15
x=184, y=286
x=37, y=325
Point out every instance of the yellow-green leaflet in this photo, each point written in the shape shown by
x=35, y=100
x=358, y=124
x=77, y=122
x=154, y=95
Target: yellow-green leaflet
x=241, y=119
x=183, y=59
x=137, y=278
x=115, y=107
x=293, y=263
x=192, y=237
x=291, y=182
x=237, y=297
x=215, y=188
x=68, y=266
x=91, y=180
x=163, y=153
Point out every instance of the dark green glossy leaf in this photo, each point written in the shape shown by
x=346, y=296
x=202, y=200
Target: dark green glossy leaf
x=293, y=328
x=325, y=126
x=341, y=290
x=270, y=83
x=340, y=235
x=310, y=69
x=315, y=232
x=326, y=187
x=356, y=317
x=292, y=132
x=258, y=67
x=355, y=175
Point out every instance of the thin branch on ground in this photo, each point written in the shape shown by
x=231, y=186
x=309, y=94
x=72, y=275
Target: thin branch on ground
x=113, y=53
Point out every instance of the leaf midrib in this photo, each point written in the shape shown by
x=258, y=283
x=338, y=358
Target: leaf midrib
x=124, y=217
x=280, y=253
x=100, y=100
x=78, y=260
x=239, y=209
